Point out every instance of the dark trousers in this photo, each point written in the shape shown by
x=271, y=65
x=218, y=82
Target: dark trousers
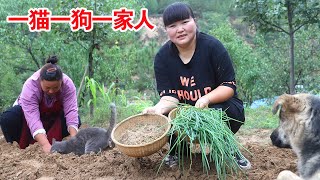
x=233, y=108
x=11, y=124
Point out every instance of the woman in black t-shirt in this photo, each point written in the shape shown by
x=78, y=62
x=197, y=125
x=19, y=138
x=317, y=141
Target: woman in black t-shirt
x=194, y=68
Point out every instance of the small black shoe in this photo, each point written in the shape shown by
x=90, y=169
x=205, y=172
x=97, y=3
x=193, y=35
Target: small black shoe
x=243, y=162
x=171, y=160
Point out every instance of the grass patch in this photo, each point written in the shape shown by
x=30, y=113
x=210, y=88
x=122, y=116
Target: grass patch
x=260, y=118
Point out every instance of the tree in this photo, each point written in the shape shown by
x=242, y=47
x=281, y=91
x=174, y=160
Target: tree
x=101, y=37
x=245, y=61
x=22, y=51
x=25, y=44
x=284, y=16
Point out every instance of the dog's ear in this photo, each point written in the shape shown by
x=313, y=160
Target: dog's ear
x=287, y=102
x=280, y=103
x=276, y=108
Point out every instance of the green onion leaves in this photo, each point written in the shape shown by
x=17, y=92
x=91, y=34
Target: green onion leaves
x=207, y=129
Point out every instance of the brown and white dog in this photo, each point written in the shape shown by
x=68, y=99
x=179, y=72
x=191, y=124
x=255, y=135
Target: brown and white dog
x=299, y=128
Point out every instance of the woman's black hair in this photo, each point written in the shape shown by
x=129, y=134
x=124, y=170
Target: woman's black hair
x=176, y=12
x=51, y=71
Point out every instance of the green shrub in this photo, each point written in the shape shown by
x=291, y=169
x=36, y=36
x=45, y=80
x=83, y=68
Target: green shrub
x=260, y=117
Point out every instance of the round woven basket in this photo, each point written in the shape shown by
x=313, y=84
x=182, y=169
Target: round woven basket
x=142, y=149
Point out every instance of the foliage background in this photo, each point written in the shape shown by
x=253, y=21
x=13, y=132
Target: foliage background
x=122, y=63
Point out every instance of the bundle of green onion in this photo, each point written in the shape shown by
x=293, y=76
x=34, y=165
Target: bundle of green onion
x=209, y=129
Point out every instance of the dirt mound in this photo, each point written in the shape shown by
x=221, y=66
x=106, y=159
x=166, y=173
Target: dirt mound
x=267, y=161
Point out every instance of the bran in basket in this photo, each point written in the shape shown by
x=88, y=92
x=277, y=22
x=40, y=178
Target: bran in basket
x=142, y=133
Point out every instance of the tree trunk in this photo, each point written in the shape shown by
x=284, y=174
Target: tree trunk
x=90, y=63
x=91, y=72
x=82, y=81
x=34, y=59
x=292, y=69
x=291, y=49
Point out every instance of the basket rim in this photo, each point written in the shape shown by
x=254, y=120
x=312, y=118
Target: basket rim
x=140, y=145
x=171, y=112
